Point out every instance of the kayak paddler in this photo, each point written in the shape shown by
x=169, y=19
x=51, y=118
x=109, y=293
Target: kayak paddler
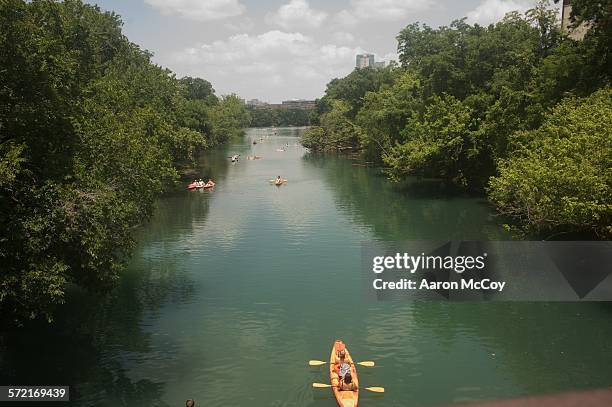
x=347, y=383
x=339, y=362
x=340, y=354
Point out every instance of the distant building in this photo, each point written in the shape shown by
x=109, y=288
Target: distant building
x=368, y=61
x=298, y=104
x=364, y=61
x=577, y=33
x=255, y=103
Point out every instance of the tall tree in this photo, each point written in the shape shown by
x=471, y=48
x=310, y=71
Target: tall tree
x=90, y=130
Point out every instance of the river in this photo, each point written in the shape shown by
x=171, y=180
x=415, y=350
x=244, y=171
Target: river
x=231, y=291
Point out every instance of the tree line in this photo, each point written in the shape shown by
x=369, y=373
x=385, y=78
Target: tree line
x=91, y=132
x=274, y=117
x=516, y=109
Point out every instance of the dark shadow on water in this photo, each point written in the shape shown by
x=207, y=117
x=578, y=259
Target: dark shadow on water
x=75, y=352
x=424, y=188
x=94, y=336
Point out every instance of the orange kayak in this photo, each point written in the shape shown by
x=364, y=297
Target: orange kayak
x=344, y=398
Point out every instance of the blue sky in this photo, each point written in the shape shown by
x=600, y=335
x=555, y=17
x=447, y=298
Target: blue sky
x=286, y=49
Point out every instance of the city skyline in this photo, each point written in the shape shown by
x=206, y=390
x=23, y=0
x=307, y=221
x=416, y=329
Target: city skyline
x=282, y=50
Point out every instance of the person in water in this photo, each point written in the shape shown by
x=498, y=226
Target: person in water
x=190, y=403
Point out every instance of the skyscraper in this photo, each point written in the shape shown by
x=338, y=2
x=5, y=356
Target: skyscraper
x=364, y=61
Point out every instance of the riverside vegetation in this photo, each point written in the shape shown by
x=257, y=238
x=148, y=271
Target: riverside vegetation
x=91, y=132
x=271, y=117
x=516, y=109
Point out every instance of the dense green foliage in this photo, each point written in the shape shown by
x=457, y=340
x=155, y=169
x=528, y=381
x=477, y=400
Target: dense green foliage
x=90, y=131
x=354, y=86
x=559, y=176
x=228, y=118
x=453, y=108
x=337, y=110
x=270, y=117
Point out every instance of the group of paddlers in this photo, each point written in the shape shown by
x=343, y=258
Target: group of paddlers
x=341, y=376
x=199, y=183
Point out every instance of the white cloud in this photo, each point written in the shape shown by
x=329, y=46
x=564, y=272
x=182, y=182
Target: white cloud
x=392, y=56
x=296, y=14
x=277, y=63
x=201, y=10
x=380, y=10
x=490, y=11
x=342, y=37
x=244, y=24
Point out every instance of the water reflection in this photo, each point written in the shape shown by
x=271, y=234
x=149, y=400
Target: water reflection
x=95, y=339
x=416, y=209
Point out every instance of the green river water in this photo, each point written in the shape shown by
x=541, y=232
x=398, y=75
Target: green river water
x=230, y=292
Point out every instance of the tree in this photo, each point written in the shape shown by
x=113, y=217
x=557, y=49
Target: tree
x=386, y=113
x=228, y=117
x=268, y=116
x=352, y=88
x=314, y=139
x=558, y=178
x=441, y=143
x=337, y=131
x=198, y=89
x=90, y=132
x=340, y=129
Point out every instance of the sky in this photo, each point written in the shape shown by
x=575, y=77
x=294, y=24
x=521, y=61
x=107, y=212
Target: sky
x=276, y=50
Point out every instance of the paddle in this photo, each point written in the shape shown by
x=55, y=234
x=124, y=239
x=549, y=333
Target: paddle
x=367, y=363
x=373, y=389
